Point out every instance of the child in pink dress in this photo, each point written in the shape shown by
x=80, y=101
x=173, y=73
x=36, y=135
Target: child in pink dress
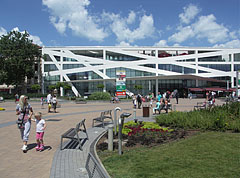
x=40, y=127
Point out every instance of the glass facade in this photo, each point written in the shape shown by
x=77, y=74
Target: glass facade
x=182, y=61
x=237, y=57
x=175, y=68
x=129, y=72
x=211, y=59
x=50, y=67
x=72, y=66
x=83, y=76
x=120, y=57
x=222, y=67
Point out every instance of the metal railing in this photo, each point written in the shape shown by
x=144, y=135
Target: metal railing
x=94, y=169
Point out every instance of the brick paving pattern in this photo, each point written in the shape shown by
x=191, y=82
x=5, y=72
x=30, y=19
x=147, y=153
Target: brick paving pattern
x=52, y=162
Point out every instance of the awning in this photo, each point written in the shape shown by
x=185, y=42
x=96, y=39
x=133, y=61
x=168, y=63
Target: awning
x=215, y=89
x=196, y=89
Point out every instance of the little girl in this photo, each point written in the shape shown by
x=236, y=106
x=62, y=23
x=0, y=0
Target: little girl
x=40, y=127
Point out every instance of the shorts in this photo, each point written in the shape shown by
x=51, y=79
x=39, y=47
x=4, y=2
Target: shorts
x=39, y=135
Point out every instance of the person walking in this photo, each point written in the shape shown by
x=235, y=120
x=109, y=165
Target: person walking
x=42, y=102
x=24, y=112
x=139, y=100
x=16, y=98
x=176, y=96
x=49, y=102
x=54, y=103
x=40, y=128
x=157, y=107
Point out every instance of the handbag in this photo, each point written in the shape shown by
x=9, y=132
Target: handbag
x=20, y=122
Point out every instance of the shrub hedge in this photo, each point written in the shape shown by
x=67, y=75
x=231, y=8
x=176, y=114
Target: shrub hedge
x=219, y=118
x=100, y=96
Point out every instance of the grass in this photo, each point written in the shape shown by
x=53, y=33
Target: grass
x=209, y=154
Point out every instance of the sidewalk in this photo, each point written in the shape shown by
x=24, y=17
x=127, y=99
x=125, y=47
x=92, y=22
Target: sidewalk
x=14, y=163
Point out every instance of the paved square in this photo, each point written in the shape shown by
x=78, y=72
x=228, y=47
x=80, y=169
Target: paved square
x=15, y=163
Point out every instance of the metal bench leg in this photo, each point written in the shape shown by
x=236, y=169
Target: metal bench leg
x=85, y=130
x=79, y=141
x=61, y=143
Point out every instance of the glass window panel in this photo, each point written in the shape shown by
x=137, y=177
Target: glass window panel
x=237, y=57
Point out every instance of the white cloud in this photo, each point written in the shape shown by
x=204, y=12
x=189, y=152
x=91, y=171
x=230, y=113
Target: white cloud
x=206, y=27
x=131, y=17
x=123, y=43
x=120, y=27
x=3, y=31
x=183, y=34
x=231, y=44
x=73, y=14
x=161, y=43
x=35, y=39
x=189, y=13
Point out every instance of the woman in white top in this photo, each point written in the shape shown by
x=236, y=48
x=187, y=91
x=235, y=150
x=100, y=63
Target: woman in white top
x=24, y=111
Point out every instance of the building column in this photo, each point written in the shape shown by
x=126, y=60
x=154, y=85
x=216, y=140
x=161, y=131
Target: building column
x=196, y=60
x=156, y=88
x=104, y=71
x=232, y=71
x=43, y=75
x=61, y=76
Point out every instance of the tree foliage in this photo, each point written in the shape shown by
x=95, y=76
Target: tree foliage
x=17, y=56
x=36, y=87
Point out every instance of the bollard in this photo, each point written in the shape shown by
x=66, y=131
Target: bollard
x=174, y=107
x=110, y=137
x=115, y=119
x=134, y=114
x=120, y=127
x=120, y=137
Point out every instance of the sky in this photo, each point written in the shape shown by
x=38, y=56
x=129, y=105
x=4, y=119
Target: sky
x=192, y=23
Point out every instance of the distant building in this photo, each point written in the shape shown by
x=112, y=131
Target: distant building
x=154, y=68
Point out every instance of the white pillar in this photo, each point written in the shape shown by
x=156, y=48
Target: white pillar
x=232, y=71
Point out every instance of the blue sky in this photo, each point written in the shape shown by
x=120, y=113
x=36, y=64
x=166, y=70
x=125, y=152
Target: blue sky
x=204, y=23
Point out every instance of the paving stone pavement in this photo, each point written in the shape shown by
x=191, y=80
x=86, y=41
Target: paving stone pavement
x=52, y=162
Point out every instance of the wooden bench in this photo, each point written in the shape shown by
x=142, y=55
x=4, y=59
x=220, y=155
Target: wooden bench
x=200, y=105
x=104, y=115
x=73, y=133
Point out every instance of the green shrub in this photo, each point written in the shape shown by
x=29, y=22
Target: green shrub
x=219, y=118
x=100, y=96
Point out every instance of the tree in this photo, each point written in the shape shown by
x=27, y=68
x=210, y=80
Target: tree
x=100, y=86
x=36, y=87
x=17, y=56
x=138, y=87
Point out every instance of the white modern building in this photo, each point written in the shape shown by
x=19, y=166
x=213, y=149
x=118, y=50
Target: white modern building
x=153, y=68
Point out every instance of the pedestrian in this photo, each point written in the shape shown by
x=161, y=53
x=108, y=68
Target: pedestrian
x=42, y=102
x=24, y=112
x=176, y=95
x=16, y=98
x=159, y=96
x=54, y=103
x=134, y=102
x=49, y=102
x=139, y=100
x=40, y=128
x=157, y=107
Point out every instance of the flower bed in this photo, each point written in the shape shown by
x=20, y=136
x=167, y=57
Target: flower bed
x=144, y=134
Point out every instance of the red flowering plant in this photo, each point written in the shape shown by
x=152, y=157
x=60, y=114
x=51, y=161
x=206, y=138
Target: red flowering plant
x=145, y=133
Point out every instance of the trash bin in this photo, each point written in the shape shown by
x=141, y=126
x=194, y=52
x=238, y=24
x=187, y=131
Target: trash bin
x=145, y=110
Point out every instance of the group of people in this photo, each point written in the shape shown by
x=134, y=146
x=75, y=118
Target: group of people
x=52, y=102
x=162, y=100
x=25, y=114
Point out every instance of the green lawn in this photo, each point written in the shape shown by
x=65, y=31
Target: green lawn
x=205, y=155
